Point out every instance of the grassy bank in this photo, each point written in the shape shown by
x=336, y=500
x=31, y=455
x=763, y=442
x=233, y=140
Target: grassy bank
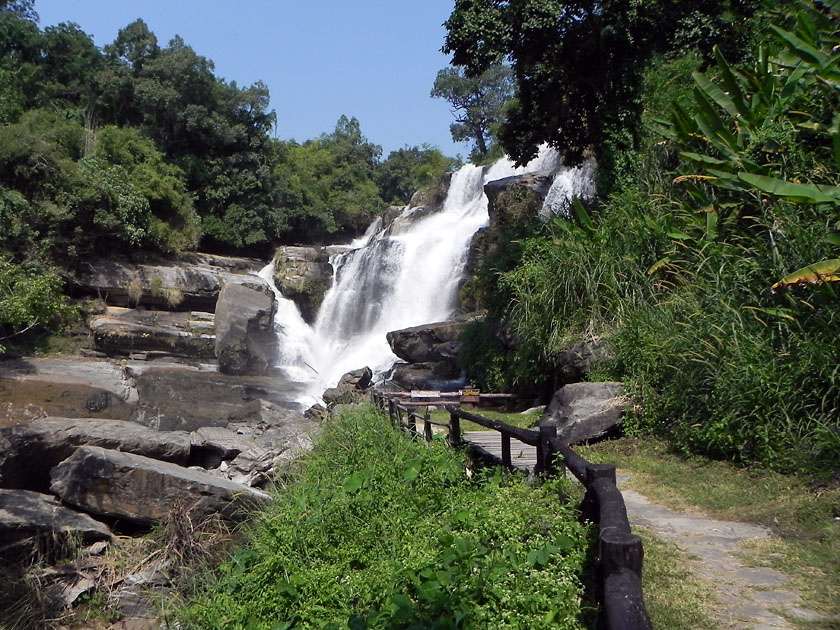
x=377, y=531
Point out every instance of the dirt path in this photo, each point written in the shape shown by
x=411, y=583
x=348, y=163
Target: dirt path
x=747, y=596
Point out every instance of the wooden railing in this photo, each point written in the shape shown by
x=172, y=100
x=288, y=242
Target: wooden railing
x=620, y=552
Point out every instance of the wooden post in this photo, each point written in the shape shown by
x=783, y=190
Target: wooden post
x=618, y=550
x=391, y=411
x=545, y=454
x=427, y=431
x=454, y=430
x=506, y=450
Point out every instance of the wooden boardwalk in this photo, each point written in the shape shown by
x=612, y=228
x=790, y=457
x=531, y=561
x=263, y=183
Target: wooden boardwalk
x=521, y=455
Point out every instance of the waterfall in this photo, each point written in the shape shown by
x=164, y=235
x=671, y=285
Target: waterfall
x=394, y=277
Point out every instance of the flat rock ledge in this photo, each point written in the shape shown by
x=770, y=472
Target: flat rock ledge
x=29, y=451
x=26, y=515
x=143, y=490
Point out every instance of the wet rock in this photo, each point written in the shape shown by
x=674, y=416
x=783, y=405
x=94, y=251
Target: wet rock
x=245, y=339
x=303, y=274
x=72, y=388
x=586, y=411
x=124, y=331
x=441, y=376
x=26, y=517
x=143, y=490
x=351, y=388
x=29, y=451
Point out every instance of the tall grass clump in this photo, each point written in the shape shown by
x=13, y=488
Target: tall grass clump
x=377, y=531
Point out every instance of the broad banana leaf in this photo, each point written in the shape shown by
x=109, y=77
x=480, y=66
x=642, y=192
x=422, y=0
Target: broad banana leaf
x=818, y=273
x=801, y=193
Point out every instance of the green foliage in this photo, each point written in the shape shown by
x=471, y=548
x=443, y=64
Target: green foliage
x=30, y=299
x=326, y=186
x=377, y=531
x=409, y=170
x=578, y=65
x=675, y=268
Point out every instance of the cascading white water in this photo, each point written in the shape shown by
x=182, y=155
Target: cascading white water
x=403, y=275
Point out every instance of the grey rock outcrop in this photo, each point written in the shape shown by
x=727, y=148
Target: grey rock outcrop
x=188, y=285
x=427, y=343
x=26, y=515
x=303, y=275
x=29, y=451
x=245, y=339
x=143, y=490
x=180, y=398
x=586, y=411
x=122, y=331
x=351, y=388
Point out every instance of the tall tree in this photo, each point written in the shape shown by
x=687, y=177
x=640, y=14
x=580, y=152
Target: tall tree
x=577, y=63
x=477, y=102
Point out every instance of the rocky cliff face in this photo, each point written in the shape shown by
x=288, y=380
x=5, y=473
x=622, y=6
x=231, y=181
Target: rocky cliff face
x=303, y=275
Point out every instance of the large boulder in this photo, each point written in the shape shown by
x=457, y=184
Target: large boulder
x=428, y=343
x=245, y=339
x=188, y=285
x=143, y=490
x=29, y=451
x=586, y=411
x=71, y=388
x=351, y=388
x=124, y=331
x=26, y=517
x=303, y=275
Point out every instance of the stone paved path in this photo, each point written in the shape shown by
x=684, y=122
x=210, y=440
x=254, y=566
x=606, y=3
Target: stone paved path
x=746, y=595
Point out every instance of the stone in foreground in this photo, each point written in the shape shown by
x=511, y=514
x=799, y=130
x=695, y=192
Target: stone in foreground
x=143, y=490
x=29, y=451
x=585, y=411
x=25, y=514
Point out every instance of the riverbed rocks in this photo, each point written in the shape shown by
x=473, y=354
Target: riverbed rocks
x=586, y=411
x=29, y=451
x=303, y=275
x=125, y=331
x=26, y=517
x=244, y=322
x=143, y=490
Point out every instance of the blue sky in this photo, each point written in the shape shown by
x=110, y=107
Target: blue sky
x=372, y=59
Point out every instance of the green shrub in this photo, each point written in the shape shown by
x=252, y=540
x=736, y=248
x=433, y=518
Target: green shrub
x=377, y=531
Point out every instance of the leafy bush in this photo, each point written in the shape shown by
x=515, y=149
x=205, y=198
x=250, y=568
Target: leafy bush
x=30, y=300
x=376, y=531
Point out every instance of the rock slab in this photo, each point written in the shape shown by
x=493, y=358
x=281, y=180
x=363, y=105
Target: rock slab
x=26, y=514
x=29, y=451
x=585, y=411
x=143, y=490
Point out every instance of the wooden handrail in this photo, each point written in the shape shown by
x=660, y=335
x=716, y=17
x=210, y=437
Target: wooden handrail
x=525, y=436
